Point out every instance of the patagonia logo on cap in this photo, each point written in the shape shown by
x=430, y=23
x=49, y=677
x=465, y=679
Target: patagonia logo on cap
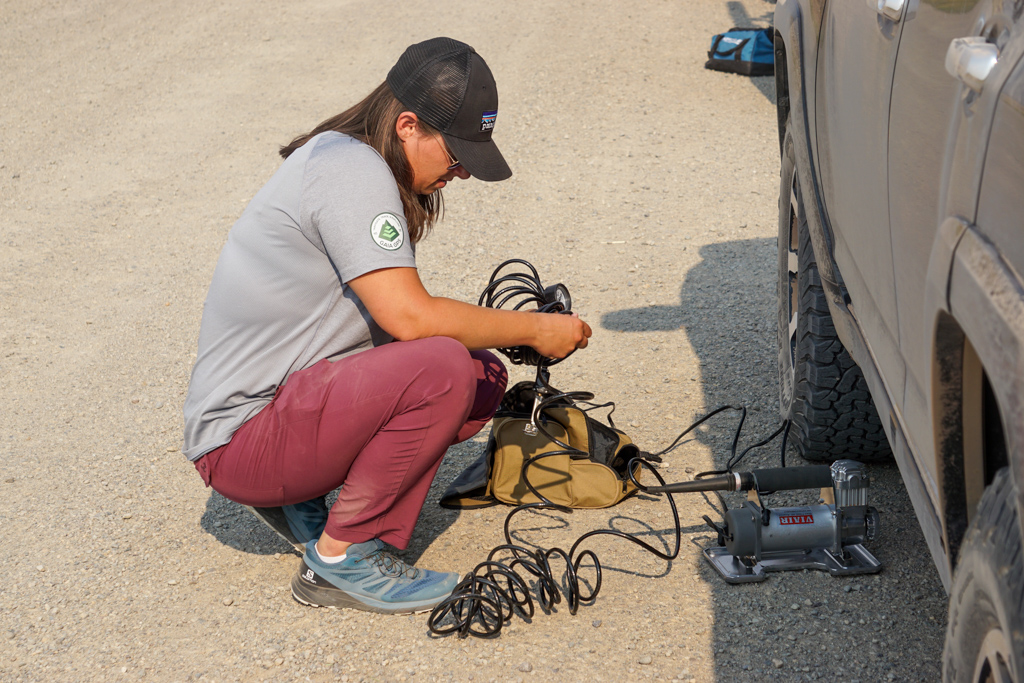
x=487, y=120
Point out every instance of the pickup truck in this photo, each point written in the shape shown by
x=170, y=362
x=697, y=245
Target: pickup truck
x=901, y=298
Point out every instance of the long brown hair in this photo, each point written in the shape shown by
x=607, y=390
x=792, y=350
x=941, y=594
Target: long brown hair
x=373, y=121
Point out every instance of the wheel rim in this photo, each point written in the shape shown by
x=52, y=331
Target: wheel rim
x=992, y=664
x=792, y=271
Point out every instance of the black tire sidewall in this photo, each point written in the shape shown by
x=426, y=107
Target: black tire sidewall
x=982, y=597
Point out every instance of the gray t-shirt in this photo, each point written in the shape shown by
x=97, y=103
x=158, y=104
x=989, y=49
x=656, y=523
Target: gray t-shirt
x=279, y=300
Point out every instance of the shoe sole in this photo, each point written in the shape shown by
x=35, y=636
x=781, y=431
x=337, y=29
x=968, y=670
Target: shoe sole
x=299, y=547
x=324, y=594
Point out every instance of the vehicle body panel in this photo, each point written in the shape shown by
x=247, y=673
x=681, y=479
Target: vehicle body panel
x=916, y=150
x=1000, y=220
x=856, y=57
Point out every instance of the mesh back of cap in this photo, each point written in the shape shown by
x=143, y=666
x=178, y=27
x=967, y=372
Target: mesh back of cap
x=431, y=79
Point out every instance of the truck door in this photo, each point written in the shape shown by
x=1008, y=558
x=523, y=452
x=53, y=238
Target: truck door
x=938, y=133
x=856, y=57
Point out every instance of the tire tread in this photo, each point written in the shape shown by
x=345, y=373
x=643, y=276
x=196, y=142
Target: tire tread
x=832, y=410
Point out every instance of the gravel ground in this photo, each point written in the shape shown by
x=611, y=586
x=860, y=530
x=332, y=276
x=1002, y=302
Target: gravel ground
x=131, y=137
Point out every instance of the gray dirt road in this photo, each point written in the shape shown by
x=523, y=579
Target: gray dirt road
x=131, y=137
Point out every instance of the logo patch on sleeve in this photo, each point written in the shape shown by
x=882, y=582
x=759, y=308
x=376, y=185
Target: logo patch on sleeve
x=487, y=120
x=386, y=231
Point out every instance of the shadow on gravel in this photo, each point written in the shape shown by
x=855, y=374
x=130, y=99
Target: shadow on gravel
x=740, y=17
x=727, y=310
x=772, y=630
x=233, y=525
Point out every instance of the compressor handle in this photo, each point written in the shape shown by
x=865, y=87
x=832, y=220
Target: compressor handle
x=792, y=478
x=771, y=479
x=723, y=482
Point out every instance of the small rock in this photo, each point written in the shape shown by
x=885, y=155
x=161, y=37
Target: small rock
x=777, y=663
x=172, y=582
x=794, y=606
x=807, y=602
x=846, y=589
x=135, y=399
x=596, y=623
x=9, y=480
x=227, y=602
x=526, y=667
x=690, y=470
x=126, y=515
x=158, y=404
x=40, y=568
x=646, y=659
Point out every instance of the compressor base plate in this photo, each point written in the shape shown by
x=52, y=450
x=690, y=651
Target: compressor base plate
x=855, y=560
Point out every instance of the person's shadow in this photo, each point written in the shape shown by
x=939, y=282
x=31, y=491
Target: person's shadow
x=235, y=526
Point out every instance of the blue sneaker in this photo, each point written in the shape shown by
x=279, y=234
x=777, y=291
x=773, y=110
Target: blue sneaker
x=369, y=579
x=297, y=523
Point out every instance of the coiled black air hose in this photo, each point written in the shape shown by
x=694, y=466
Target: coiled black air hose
x=518, y=290
x=489, y=596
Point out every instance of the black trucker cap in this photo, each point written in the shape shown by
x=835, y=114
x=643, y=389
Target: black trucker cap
x=448, y=85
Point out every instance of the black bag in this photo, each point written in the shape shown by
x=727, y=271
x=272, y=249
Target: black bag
x=746, y=51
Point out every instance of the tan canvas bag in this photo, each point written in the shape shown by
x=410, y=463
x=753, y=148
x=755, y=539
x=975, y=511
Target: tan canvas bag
x=591, y=473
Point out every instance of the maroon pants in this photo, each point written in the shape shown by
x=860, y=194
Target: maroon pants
x=376, y=423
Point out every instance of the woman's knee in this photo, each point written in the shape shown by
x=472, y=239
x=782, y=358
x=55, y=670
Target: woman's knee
x=491, y=380
x=448, y=360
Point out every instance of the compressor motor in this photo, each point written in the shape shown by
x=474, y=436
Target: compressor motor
x=828, y=536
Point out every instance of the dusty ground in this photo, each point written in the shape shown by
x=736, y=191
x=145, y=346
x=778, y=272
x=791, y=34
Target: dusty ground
x=131, y=137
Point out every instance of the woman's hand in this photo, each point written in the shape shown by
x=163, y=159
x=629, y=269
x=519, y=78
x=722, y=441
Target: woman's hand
x=559, y=335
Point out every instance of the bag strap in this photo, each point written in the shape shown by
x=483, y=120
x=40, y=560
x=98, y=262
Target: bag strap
x=733, y=51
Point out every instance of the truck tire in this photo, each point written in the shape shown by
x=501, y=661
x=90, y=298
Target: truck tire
x=821, y=390
x=985, y=636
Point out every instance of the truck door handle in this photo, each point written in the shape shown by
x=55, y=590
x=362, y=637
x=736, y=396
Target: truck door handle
x=890, y=9
x=970, y=60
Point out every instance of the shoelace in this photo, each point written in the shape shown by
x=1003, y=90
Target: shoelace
x=392, y=566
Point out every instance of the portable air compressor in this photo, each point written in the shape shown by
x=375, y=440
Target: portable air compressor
x=755, y=539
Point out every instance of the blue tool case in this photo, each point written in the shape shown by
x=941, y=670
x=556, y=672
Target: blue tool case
x=747, y=51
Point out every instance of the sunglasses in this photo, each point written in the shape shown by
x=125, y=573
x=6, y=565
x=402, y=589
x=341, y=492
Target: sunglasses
x=454, y=162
